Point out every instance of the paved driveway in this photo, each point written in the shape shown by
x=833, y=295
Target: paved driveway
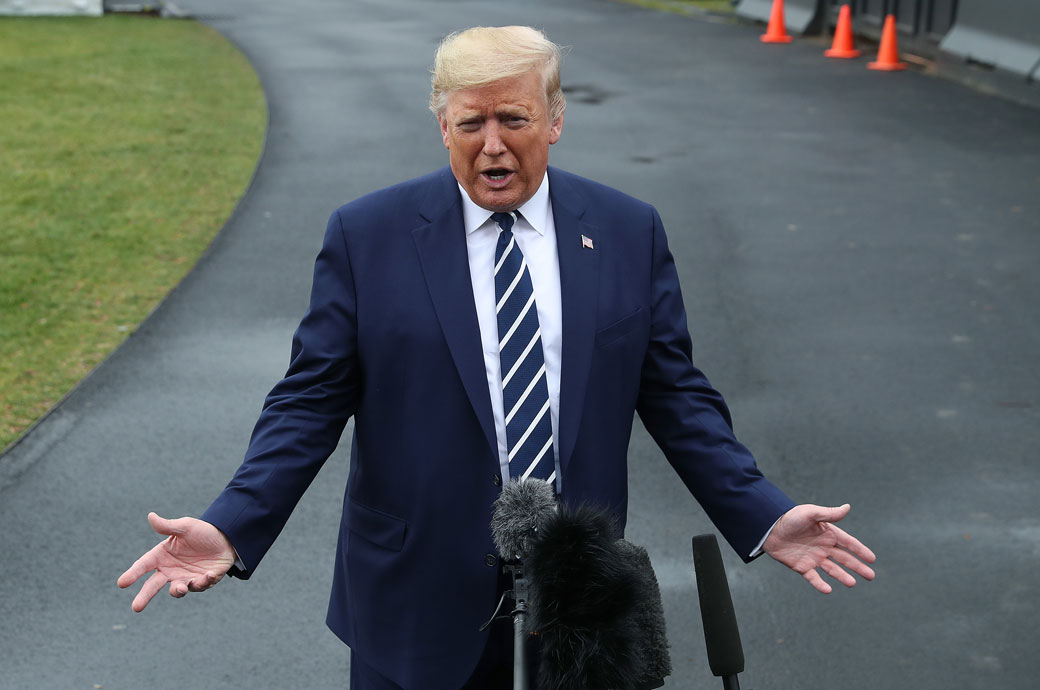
x=859, y=259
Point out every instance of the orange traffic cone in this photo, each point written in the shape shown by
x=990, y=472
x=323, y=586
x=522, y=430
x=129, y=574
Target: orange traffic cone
x=776, y=32
x=888, y=51
x=843, y=47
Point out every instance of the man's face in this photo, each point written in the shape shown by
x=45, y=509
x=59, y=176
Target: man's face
x=498, y=139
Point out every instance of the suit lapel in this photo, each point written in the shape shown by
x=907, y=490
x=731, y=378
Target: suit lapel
x=441, y=243
x=579, y=288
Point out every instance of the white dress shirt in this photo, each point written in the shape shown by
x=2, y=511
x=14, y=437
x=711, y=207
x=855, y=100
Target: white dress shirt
x=535, y=234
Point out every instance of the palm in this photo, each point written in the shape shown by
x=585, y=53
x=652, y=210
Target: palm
x=805, y=539
x=193, y=558
x=187, y=557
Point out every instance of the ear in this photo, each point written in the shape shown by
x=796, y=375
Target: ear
x=555, y=129
x=443, y=121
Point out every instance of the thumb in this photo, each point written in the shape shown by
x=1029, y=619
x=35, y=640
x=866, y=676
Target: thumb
x=825, y=514
x=166, y=527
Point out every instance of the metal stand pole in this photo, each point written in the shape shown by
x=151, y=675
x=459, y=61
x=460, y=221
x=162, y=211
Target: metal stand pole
x=519, y=657
x=519, y=627
x=519, y=594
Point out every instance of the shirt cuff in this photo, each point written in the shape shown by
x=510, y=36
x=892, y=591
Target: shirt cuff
x=757, y=551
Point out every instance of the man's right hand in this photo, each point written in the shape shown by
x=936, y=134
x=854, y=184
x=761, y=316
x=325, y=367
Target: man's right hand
x=193, y=558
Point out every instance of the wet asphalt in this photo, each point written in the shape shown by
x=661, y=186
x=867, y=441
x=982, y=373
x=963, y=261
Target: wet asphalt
x=859, y=258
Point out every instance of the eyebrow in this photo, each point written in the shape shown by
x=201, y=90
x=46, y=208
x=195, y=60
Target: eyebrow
x=501, y=111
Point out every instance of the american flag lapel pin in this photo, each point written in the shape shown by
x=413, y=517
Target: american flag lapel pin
x=586, y=242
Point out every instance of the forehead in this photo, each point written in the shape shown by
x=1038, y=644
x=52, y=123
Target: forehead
x=524, y=91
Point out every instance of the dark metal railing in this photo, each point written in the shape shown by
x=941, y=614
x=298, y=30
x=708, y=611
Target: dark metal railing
x=925, y=19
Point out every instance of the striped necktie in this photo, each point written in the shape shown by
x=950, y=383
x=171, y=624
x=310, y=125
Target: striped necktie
x=525, y=393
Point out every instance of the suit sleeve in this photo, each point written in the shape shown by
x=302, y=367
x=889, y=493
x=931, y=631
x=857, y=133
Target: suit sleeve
x=303, y=416
x=691, y=423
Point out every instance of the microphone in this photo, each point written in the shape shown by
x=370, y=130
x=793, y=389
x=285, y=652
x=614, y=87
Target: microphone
x=521, y=512
x=595, y=603
x=721, y=636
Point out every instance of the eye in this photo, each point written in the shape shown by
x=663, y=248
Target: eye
x=516, y=121
x=469, y=125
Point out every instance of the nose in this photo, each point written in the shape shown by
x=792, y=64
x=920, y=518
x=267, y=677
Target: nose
x=493, y=144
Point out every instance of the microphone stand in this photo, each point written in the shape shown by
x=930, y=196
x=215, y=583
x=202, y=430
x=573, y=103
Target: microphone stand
x=519, y=593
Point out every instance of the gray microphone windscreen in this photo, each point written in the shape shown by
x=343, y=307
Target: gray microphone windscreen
x=521, y=511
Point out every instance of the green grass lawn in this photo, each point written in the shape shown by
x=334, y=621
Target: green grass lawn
x=683, y=6
x=713, y=5
x=125, y=144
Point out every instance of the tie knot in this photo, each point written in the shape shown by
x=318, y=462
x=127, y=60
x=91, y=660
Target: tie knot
x=504, y=220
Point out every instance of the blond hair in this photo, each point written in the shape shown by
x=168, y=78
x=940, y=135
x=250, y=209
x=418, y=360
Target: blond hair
x=486, y=54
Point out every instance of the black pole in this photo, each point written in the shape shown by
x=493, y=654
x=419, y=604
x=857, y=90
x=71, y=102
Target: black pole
x=519, y=656
x=520, y=681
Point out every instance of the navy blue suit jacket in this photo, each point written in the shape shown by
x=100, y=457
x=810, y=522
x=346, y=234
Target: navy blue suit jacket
x=391, y=338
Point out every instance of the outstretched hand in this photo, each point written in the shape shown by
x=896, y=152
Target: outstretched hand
x=193, y=558
x=805, y=538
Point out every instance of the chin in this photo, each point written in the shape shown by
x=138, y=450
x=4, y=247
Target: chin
x=498, y=202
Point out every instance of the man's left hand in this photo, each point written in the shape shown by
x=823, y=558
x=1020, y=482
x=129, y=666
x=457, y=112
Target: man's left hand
x=805, y=538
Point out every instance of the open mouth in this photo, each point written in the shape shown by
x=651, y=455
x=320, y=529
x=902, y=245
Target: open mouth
x=496, y=174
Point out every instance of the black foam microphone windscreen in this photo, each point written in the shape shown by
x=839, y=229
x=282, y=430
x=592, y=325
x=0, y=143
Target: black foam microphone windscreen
x=596, y=605
x=721, y=636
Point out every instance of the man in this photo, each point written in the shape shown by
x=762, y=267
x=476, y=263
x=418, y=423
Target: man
x=494, y=319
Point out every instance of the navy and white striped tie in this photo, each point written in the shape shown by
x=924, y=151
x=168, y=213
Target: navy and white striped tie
x=524, y=390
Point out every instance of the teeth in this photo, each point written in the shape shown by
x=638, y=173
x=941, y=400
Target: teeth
x=497, y=176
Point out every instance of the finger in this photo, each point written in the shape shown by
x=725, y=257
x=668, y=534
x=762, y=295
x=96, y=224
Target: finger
x=854, y=546
x=837, y=572
x=178, y=589
x=150, y=589
x=164, y=526
x=816, y=581
x=203, y=582
x=852, y=563
x=827, y=514
x=142, y=565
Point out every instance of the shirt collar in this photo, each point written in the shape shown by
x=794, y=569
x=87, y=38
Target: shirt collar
x=535, y=210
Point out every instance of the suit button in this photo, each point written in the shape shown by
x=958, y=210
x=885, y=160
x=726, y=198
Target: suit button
x=490, y=560
x=496, y=479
